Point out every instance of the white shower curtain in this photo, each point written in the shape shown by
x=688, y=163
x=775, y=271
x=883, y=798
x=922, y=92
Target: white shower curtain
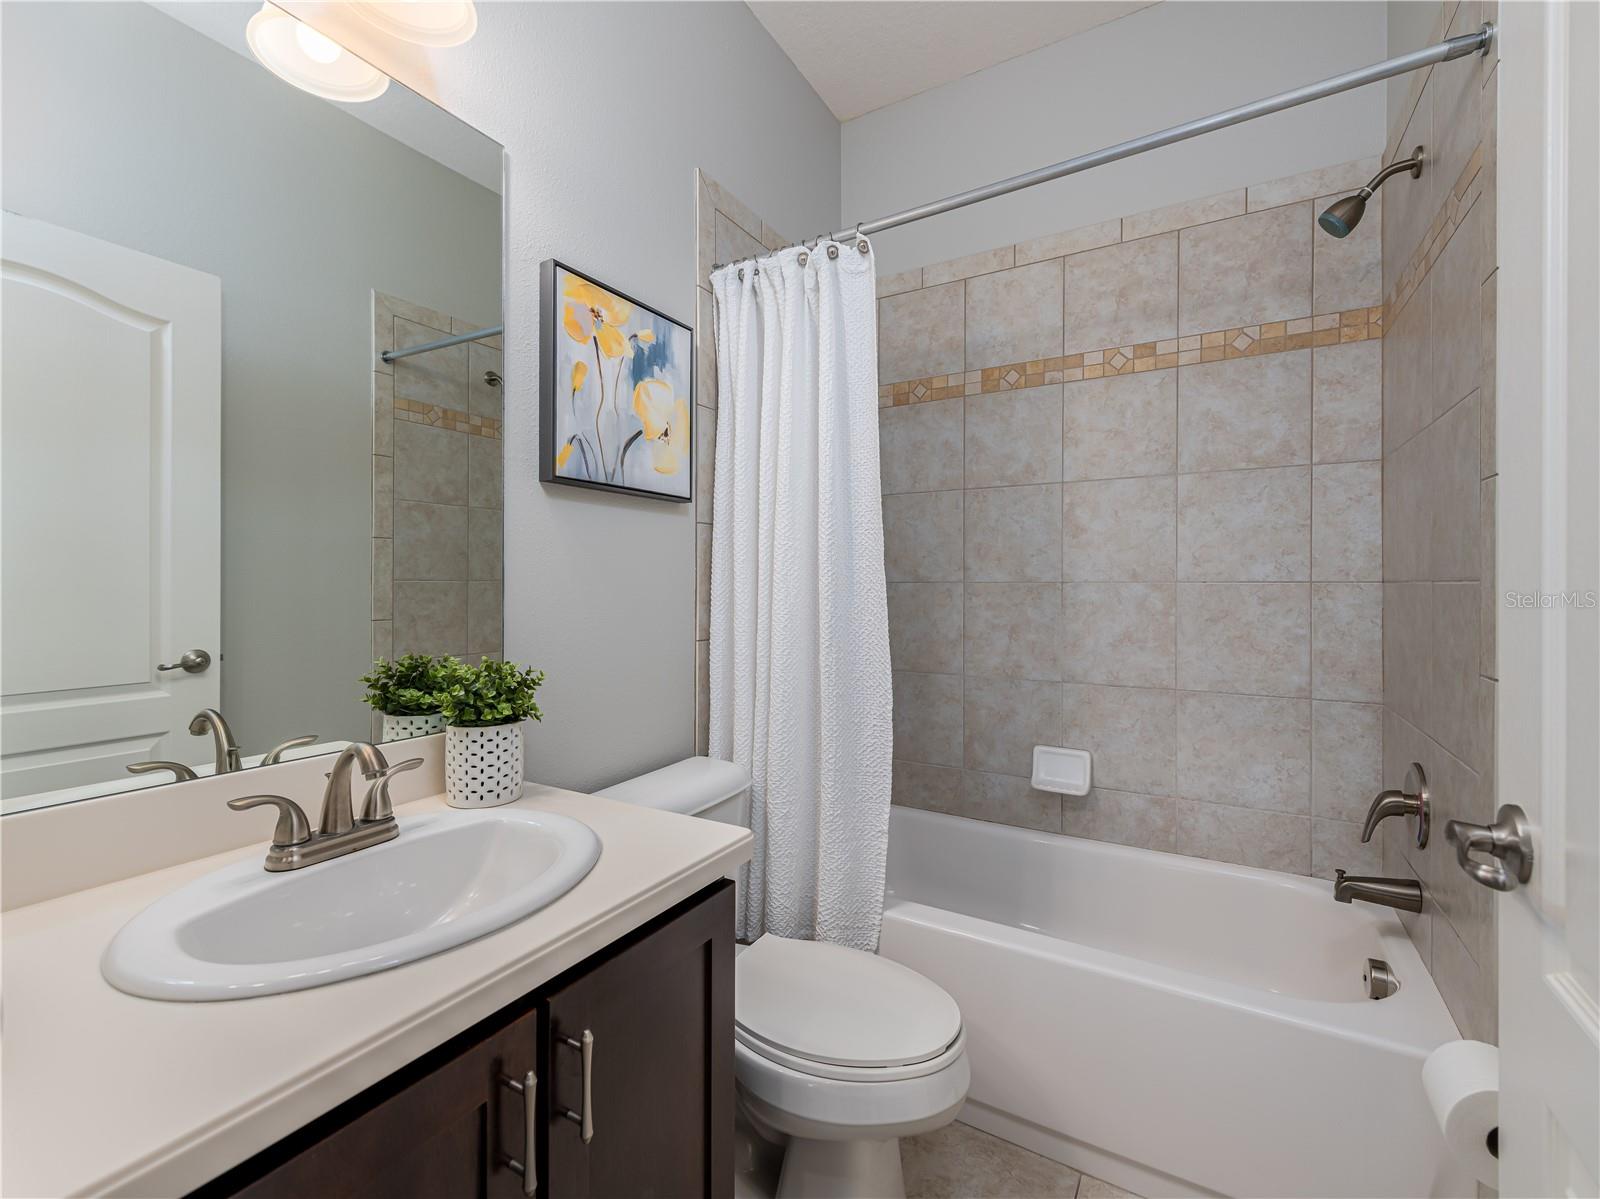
x=801, y=692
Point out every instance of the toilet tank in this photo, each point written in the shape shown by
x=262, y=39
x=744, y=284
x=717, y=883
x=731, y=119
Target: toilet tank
x=707, y=787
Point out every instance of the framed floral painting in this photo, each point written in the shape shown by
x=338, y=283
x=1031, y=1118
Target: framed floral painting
x=616, y=390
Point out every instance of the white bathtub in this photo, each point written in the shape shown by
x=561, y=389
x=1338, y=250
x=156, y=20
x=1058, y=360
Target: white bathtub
x=1172, y=1025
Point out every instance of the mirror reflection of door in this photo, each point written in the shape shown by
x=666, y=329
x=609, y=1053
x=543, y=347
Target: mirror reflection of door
x=111, y=424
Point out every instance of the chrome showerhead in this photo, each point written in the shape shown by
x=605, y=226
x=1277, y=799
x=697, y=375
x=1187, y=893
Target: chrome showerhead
x=1344, y=215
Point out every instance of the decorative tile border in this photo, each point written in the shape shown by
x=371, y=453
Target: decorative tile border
x=447, y=418
x=1249, y=341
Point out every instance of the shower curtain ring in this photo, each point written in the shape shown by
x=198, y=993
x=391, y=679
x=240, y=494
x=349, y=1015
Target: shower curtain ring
x=833, y=250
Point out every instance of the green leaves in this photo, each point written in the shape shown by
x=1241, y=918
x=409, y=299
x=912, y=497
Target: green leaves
x=491, y=693
x=411, y=685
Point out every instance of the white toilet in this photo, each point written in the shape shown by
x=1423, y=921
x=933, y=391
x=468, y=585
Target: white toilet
x=838, y=1053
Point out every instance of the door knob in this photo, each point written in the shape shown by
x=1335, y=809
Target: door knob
x=1509, y=840
x=196, y=661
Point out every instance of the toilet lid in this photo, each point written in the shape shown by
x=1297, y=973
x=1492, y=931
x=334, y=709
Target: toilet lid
x=826, y=1003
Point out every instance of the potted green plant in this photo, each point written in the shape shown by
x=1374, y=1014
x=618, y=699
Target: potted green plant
x=484, y=707
x=408, y=692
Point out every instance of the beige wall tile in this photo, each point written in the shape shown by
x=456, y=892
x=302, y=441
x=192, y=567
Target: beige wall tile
x=1407, y=362
x=1130, y=731
x=1014, y=315
x=1013, y=437
x=893, y=285
x=485, y=553
x=430, y=541
x=1488, y=596
x=430, y=616
x=484, y=617
x=705, y=349
x=1457, y=93
x=382, y=496
x=1336, y=844
x=1123, y=818
x=1347, y=641
x=1245, y=525
x=925, y=627
x=1008, y=799
x=382, y=639
x=1407, y=642
x=382, y=578
x=438, y=377
x=1347, y=533
x=1245, y=836
x=702, y=582
x=1449, y=713
x=1346, y=759
x=1245, y=270
x=1410, y=204
x=1120, y=634
x=1245, y=412
x=1449, y=462
x=927, y=718
x=705, y=461
x=483, y=397
x=732, y=242
x=1346, y=177
x=981, y=263
x=486, y=472
x=1407, y=513
x=1457, y=317
x=922, y=536
x=931, y=788
x=922, y=333
x=1347, y=272
x=1120, y=530
x=1074, y=241
x=1248, y=750
x=1253, y=638
x=1469, y=990
x=1347, y=402
x=382, y=413
x=1013, y=534
x=919, y=446
x=1122, y=294
x=702, y=697
x=734, y=208
x=1013, y=630
x=430, y=465
x=1121, y=426
x=1186, y=212
x=1487, y=366
x=1458, y=793
x=1005, y=719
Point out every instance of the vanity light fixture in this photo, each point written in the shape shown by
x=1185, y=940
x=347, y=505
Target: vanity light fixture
x=313, y=62
x=437, y=23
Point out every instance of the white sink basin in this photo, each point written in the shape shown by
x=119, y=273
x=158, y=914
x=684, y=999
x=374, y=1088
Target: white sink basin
x=449, y=877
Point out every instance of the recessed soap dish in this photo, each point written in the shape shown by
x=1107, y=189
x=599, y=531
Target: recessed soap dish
x=1065, y=771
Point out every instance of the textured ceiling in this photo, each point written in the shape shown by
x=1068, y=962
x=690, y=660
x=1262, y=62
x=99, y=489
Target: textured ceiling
x=862, y=55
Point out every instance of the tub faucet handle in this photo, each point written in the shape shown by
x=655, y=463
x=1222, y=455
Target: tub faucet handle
x=1412, y=801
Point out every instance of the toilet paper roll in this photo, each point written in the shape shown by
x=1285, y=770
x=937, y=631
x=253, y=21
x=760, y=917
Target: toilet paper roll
x=1462, y=1079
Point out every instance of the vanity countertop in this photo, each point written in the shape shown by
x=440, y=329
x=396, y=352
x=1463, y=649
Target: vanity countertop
x=111, y=1094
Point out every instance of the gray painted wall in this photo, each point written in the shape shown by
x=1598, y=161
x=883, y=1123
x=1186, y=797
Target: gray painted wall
x=605, y=111
x=1154, y=68
x=121, y=123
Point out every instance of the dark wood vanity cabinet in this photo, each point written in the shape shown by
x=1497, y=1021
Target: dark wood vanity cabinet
x=658, y=1010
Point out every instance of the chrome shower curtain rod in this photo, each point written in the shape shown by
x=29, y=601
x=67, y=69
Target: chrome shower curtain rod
x=1456, y=47
x=444, y=343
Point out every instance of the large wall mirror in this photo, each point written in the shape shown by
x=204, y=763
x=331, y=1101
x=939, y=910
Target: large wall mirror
x=218, y=494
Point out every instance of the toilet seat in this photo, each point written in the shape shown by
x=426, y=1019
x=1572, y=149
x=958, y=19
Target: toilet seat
x=833, y=1012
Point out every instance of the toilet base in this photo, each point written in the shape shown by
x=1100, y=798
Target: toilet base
x=841, y=1170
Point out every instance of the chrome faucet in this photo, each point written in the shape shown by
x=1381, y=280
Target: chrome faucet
x=1402, y=893
x=338, y=832
x=210, y=720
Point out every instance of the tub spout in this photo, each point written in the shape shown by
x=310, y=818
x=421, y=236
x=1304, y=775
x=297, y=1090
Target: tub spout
x=1402, y=893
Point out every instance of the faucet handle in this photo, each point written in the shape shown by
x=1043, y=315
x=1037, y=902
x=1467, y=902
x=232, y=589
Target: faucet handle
x=377, y=805
x=292, y=829
x=181, y=773
x=275, y=755
x=1411, y=801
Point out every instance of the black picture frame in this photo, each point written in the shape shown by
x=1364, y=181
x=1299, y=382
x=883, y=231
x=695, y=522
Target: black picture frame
x=550, y=321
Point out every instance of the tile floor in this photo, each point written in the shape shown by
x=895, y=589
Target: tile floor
x=960, y=1162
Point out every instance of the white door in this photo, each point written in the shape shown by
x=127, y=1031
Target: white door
x=1548, y=535
x=110, y=479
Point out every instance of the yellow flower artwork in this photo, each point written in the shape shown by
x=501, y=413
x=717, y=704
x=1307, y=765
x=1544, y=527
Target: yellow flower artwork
x=618, y=400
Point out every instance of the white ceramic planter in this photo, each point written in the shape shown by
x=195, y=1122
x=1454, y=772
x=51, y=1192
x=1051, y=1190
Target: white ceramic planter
x=482, y=766
x=403, y=728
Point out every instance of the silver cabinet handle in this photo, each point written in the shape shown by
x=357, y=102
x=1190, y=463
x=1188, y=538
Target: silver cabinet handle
x=196, y=661
x=585, y=1122
x=528, y=1168
x=1509, y=840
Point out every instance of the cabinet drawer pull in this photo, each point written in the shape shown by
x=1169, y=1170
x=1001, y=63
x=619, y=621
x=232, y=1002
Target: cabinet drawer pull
x=528, y=1088
x=586, y=1121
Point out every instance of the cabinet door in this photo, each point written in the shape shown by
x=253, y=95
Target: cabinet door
x=445, y=1133
x=660, y=1015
